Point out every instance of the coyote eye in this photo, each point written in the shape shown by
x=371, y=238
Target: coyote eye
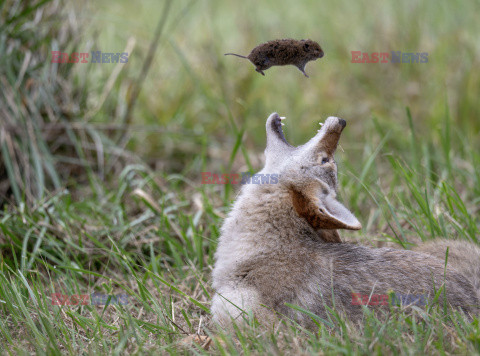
x=325, y=160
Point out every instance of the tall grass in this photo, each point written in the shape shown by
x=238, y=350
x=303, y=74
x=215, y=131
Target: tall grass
x=100, y=182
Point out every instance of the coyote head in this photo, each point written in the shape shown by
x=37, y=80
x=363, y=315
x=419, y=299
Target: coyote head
x=309, y=173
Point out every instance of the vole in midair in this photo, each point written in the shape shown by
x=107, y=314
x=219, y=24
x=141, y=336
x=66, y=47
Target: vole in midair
x=283, y=52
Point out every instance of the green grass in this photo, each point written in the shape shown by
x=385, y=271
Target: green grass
x=100, y=185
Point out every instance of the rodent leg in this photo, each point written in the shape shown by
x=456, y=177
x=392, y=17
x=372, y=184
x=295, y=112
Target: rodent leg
x=301, y=67
x=260, y=71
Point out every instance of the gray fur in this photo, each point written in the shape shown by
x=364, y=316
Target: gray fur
x=279, y=245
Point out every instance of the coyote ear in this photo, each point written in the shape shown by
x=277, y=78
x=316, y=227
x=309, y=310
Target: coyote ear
x=323, y=212
x=277, y=145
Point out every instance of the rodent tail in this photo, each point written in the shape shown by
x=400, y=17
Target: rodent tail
x=234, y=54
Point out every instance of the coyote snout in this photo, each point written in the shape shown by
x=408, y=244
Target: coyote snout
x=279, y=244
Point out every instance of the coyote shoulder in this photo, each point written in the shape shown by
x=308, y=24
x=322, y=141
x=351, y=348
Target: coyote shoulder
x=279, y=245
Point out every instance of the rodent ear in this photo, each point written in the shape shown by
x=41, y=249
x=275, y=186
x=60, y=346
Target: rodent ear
x=322, y=211
x=306, y=47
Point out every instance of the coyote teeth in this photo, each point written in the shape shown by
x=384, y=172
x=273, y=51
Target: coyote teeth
x=282, y=124
x=320, y=123
x=282, y=117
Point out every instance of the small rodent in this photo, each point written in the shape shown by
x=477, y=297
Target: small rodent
x=283, y=52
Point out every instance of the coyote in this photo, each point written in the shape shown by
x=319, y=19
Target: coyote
x=279, y=245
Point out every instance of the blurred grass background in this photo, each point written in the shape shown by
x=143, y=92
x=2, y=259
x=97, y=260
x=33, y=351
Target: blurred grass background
x=101, y=190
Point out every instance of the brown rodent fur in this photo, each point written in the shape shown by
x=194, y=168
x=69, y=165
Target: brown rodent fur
x=283, y=52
